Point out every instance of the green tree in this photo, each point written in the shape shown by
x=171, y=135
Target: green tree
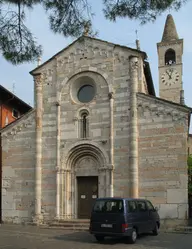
x=67, y=17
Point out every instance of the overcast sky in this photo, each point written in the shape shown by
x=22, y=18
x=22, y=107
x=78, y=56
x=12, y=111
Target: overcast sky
x=122, y=32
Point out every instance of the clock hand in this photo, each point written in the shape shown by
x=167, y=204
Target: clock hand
x=168, y=73
x=171, y=72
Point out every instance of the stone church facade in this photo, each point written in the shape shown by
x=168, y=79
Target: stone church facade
x=98, y=130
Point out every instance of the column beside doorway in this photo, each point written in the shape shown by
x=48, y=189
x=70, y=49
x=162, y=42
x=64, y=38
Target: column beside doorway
x=102, y=190
x=66, y=191
x=83, y=159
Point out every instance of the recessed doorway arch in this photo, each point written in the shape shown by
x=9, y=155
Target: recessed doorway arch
x=83, y=163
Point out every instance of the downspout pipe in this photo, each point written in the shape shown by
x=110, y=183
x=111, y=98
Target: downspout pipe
x=1, y=164
x=111, y=174
x=58, y=171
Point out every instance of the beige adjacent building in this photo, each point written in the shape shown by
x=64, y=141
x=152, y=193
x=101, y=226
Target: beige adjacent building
x=99, y=130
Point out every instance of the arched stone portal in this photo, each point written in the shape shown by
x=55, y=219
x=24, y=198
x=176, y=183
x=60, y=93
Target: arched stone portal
x=86, y=165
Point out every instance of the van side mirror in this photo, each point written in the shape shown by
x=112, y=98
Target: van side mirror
x=156, y=209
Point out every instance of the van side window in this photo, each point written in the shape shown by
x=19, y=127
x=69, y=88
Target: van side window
x=132, y=206
x=141, y=206
x=150, y=206
x=108, y=206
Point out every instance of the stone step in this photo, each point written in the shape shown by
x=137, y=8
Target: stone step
x=76, y=228
x=81, y=225
x=77, y=221
x=70, y=226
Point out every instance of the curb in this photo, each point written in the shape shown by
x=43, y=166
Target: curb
x=181, y=230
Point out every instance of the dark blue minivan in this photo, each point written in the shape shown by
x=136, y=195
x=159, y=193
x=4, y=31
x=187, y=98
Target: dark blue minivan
x=123, y=217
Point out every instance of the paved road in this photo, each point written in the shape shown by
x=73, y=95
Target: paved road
x=27, y=237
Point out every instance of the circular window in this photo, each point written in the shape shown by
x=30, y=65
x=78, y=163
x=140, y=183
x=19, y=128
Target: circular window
x=83, y=89
x=86, y=93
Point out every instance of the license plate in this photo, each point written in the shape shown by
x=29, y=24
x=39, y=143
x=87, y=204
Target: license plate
x=107, y=225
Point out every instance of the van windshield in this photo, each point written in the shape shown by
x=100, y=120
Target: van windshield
x=108, y=206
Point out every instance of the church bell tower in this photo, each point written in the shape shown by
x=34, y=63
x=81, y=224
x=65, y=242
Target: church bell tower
x=170, y=51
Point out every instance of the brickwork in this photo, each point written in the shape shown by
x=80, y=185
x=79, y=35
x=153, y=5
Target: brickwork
x=7, y=115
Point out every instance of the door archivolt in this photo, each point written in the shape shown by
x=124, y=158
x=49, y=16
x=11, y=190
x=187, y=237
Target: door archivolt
x=80, y=149
x=82, y=161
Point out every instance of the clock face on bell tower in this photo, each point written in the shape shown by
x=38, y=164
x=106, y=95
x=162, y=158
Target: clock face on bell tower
x=170, y=77
x=170, y=51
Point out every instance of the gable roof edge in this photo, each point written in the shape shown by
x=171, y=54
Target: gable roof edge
x=144, y=55
x=2, y=88
x=11, y=125
x=183, y=108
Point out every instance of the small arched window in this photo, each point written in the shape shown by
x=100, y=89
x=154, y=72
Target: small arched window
x=84, y=124
x=170, y=57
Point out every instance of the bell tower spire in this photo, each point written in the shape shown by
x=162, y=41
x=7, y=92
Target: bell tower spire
x=170, y=51
x=170, y=31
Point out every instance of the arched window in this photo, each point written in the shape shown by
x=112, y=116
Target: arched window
x=170, y=57
x=84, y=124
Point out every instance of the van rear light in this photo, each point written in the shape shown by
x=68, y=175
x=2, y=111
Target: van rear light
x=124, y=227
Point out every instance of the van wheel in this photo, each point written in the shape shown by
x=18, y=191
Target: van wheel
x=133, y=237
x=156, y=230
x=99, y=238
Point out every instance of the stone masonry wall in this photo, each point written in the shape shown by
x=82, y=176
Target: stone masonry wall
x=49, y=157
x=108, y=66
x=163, y=176
x=18, y=175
